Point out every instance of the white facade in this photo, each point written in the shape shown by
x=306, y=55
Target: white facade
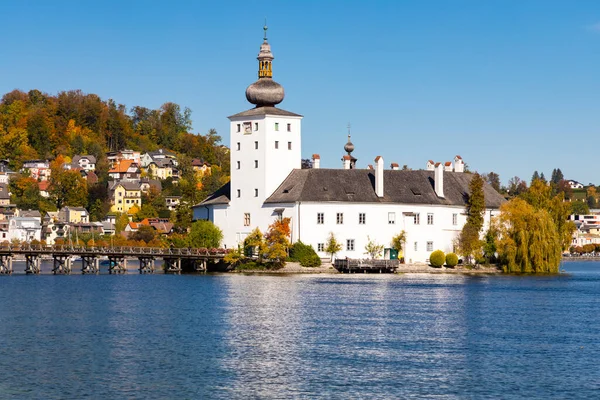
x=24, y=229
x=262, y=156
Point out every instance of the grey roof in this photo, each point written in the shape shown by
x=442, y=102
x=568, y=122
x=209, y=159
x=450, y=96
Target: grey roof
x=76, y=159
x=126, y=185
x=4, y=191
x=358, y=185
x=221, y=196
x=30, y=213
x=259, y=111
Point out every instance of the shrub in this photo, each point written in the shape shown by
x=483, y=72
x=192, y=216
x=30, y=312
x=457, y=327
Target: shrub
x=305, y=255
x=437, y=258
x=451, y=260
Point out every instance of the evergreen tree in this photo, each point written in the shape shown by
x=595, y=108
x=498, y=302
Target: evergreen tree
x=468, y=241
x=535, y=176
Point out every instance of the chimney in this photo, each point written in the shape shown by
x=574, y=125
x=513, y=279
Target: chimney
x=370, y=166
x=316, y=159
x=459, y=164
x=430, y=165
x=379, y=176
x=438, y=178
x=448, y=166
x=346, y=162
x=395, y=166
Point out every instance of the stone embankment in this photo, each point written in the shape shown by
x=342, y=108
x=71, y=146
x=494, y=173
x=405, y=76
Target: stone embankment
x=327, y=268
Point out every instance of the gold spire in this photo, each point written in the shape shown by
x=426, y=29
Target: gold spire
x=265, y=57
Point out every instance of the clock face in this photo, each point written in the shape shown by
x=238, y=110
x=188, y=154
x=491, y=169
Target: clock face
x=247, y=128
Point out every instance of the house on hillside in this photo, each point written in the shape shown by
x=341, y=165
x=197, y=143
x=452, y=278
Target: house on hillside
x=114, y=157
x=124, y=195
x=37, y=169
x=125, y=170
x=4, y=195
x=85, y=162
x=74, y=215
x=172, y=202
x=24, y=229
x=574, y=184
x=163, y=169
x=44, y=186
x=200, y=167
x=157, y=155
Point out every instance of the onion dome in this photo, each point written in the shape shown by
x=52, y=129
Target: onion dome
x=349, y=147
x=265, y=92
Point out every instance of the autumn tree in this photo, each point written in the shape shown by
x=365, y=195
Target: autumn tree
x=398, y=241
x=277, y=240
x=332, y=246
x=144, y=233
x=373, y=249
x=493, y=179
x=579, y=208
x=68, y=188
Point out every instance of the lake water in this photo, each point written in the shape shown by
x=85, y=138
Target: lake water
x=298, y=336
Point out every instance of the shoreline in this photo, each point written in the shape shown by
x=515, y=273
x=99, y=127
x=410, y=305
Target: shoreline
x=327, y=268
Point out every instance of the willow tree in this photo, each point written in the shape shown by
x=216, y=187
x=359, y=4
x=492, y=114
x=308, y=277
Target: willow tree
x=529, y=239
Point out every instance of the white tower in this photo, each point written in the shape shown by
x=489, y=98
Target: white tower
x=265, y=148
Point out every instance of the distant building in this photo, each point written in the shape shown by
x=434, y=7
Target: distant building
x=160, y=154
x=125, y=170
x=115, y=156
x=44, y=186
x=74, y=215
x=24, y=229
x=85, y=162
x=124, y=195
x=172, y=202
x=4, y=195
x=38, y=169
x=574, y=184
x=202, y=168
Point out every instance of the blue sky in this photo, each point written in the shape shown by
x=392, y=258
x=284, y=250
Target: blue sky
x=511, y=86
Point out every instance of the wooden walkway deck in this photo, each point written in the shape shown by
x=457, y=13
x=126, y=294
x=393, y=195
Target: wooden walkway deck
x=349, y=265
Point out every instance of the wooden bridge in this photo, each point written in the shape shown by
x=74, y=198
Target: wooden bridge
x=63, y=255
x=351, y=265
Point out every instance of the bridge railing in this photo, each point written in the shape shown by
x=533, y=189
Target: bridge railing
x=116, y=250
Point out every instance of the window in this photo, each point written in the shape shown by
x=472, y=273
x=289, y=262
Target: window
x=289, y=145
x=416, y=247
x=429, y=246
x=276, y=144
x=256, y=145
x=391, y=218
x=238, y=145
x=247, y=128
x=246, y=219
x=289, y=127
x=120, y=201
x=255, y=192
x=454, y=219
x=256, y=126
x=320, y=246
x=320, y=218
x=429, y=219
x=239, y=164
x=276, y=126
x=362, y=218
x=239, y=127
x=239, y=193
x=127, y=201
x=255, y=163
x=350, y=245
x=339, y=218
x=417, y=219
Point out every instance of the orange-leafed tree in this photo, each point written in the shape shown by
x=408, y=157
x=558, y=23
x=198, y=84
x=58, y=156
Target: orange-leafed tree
x=277, y=240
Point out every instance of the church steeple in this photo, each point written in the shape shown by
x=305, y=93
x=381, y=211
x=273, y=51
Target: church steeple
x=265, y=58
x=265, y=92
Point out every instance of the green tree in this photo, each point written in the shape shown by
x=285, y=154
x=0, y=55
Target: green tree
x=468, y=240
x=121, y=222
x=68, y=188
x=255, y=244
x=373, y=249
x=579, y=208
x=332, y=246
x=493, y=179
x=204, y=234
x=398, y=241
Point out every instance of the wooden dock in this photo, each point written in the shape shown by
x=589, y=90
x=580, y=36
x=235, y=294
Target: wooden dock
x=63, y=256
x=352, y=266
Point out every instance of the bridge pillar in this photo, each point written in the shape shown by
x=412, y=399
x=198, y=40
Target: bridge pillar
x=32, y=263
x=172, y=265
x=6, y=264
x=146, y=265
x=62, y=264
x=90, y=265
x=199, y=265
x=117, y=265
